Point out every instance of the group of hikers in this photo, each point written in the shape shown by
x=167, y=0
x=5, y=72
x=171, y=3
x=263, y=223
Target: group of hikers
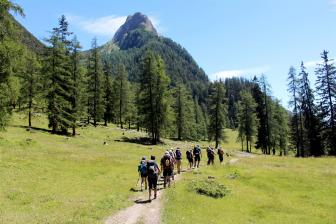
x=150, y=170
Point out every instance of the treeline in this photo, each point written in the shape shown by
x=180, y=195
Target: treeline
x=313, y=131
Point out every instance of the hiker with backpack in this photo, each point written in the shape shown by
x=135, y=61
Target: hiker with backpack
x=189, y=155
x=142, y=170
x=153, y=172
x=220, y=153
x=172, y=156
x=166, y=167
x=197, y=156
x=178, y=158
x=211, y=155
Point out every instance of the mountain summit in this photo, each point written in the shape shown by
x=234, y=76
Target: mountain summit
x=133, y=22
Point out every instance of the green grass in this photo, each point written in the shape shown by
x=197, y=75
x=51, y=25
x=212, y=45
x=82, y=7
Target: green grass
x=54, y=179
x=262, y=190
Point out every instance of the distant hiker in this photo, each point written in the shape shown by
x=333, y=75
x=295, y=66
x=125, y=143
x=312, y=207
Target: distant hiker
x=220, y=153
x=172, y=156
x=211, y=155
x=153, y=171
x=197, y=156
x=178, y=158
x=189, y=155
x=167, y=169
x=142, y=169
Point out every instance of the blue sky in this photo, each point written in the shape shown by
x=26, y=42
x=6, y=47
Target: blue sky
x=226, y=38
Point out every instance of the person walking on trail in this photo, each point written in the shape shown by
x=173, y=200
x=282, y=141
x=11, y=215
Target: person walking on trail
x=197, y=156
x=178, y=158
x=189, y=155
x=166, y=167
x=211, y=155
x=142, y=170
x=153, y=171
x=220, y=153
x=172, y=156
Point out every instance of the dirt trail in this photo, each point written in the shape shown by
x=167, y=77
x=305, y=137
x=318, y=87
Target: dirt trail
x=240, y=155
x=142, y=211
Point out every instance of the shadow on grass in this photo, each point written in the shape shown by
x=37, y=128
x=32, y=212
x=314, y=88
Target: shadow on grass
x=32, y=129
x=137, y=140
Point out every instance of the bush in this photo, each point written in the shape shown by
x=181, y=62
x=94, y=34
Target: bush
x=209, y=188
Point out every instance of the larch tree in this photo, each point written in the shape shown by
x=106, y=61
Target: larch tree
x=247, y=119
x=95, y=84
x=10, y=55
x=217, y=112
x=121, y=88
x=326, y=91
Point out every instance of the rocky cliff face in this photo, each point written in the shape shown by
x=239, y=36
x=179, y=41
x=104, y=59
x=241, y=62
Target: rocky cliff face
x=136, y=21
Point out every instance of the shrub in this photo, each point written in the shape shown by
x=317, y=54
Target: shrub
x=209, y=188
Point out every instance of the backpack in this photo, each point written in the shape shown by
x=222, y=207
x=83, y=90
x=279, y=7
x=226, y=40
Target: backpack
x=152, y=170
x=143, y=169
x=178, y=154
x=167, y=162
x=220, y=152
x=197, y=151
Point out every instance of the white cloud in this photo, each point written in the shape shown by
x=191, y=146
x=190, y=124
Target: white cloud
x=102, y=26
x=106, y=25
x=312, y=64
x=239, y=72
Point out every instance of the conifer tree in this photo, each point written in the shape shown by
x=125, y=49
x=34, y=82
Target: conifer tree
x=184, y=113
x=200, y=121
x=78, y=84
x=95, y=84
x=31, y=84
x=60, y=86
x=326, y=91
x=121, y=87
x=10, y=55
x=154, y=103
x=108, y=94
x=217, y=112
x=296, y=133
x=247, y=119
x=280, y=129
x=312, y=128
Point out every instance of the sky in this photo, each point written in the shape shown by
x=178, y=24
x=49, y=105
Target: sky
x=226, y=38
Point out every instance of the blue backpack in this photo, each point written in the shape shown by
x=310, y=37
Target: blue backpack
x=143, y=169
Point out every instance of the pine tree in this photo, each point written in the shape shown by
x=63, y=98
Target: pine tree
x=154, y=104
x=312, y=139
x=296, y=133
x=60, y=85
x=280, y=129
x=121, y=87
x=217, y=113
x=10, y=55
x=95, y=84
x=31, y=84
x=326, y=90
x=247, y=119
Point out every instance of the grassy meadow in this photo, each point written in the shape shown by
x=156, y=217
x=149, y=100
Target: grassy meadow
x=56, y=179
x=261, y=190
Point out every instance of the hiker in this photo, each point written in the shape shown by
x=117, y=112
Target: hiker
x=166, y=167
x=172, y=156
x=178, y=158
x=189, y=155
x=211, y=155
x=197, y=156
x=142, y=170
x=153, y=171
x=220, y=153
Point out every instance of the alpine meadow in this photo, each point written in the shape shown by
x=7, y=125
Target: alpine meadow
x=104, y=119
